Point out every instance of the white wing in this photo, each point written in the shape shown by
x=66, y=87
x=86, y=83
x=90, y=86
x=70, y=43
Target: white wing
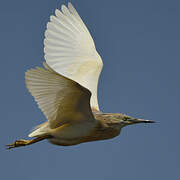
x=70, y=50
x=54, y=93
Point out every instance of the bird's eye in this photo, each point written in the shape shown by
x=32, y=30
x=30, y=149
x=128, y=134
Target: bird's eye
x=126, y=118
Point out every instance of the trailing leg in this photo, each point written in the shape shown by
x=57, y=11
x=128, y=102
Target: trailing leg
x=23, y=142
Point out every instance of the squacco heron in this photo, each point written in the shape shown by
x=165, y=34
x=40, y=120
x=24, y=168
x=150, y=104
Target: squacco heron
x=66, y=88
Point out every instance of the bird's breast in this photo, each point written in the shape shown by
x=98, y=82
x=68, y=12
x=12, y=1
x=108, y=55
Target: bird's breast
x=68, y=133
x=72, y=134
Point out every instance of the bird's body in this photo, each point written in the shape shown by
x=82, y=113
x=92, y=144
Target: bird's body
x=66, y=88
x=71, y=134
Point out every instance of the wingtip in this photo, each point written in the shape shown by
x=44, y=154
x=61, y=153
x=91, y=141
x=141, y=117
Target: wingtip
x=70, y=4
x=63, y=7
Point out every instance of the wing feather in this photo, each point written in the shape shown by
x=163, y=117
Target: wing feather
x=69, y=50
x=61, y=100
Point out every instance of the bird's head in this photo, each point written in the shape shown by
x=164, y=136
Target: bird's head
x=118, y=120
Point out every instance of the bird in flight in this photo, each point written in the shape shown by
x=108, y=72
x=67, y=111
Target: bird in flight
x=65, y=89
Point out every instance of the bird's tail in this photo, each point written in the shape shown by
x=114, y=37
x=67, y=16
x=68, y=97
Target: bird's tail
x=40, y=130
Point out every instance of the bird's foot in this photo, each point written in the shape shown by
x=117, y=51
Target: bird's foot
x=18, y=143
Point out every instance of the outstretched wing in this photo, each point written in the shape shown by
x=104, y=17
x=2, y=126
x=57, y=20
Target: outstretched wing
x=61, y=100
x=70, y=50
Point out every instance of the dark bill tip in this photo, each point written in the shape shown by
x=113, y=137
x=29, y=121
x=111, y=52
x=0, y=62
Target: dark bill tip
x=140, y=121
x=146, y=121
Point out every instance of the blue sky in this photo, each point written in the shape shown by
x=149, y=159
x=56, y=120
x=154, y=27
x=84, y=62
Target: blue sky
x=139, y=43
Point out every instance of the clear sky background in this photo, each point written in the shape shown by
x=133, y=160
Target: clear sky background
x=139, y=42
